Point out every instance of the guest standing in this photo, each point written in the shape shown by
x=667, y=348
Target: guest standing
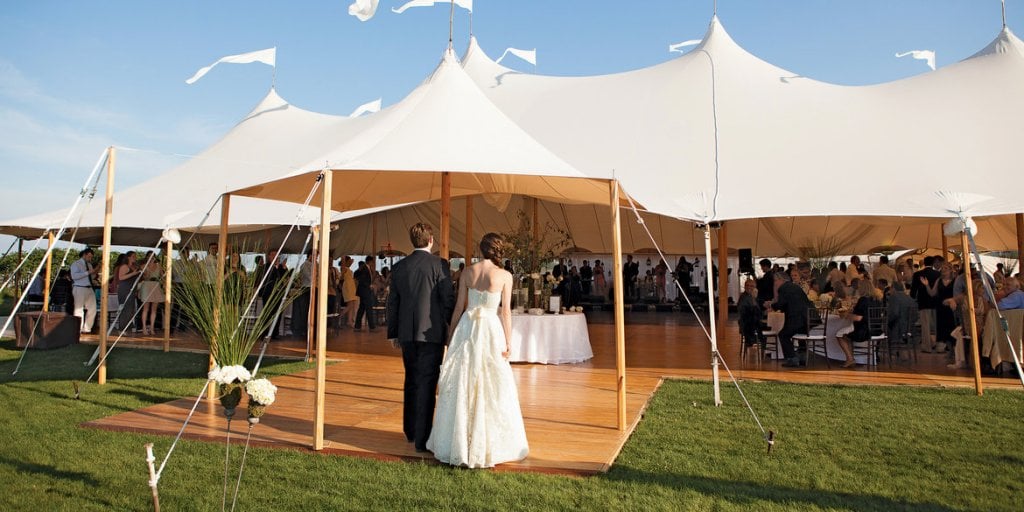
x=125, y=272
x=82, y=273
x=151, y=293
x=367, y=298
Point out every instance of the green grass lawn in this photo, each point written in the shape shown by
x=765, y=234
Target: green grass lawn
x=837, y=448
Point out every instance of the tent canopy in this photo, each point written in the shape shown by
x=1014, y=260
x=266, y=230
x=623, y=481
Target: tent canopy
x=445, y=125
x=733, y=137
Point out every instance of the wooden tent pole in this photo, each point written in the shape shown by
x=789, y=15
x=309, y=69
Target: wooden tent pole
x=1020, y=242
x=723, y=277
x=970, y=308
x=49, y=271
x=945, y=243
x=373, y=236
x=321, y=301
x=108, y=213
x=468, y=253
x=620, y=313
x=222, y=250
x=446, y=214
x=168, y=282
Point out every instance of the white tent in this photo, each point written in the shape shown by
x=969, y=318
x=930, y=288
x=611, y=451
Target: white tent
x=273, y=136
x=730, y=136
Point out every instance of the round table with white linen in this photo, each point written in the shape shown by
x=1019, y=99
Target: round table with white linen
x=836, y=323
x=550, y=339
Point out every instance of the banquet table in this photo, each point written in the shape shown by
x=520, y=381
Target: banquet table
x=836, y=323
x=550, y=339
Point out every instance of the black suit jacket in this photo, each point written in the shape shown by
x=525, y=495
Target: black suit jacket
x=421, y=299
x=794, y=303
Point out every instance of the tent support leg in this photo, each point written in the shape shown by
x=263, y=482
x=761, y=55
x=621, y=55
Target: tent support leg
x=711, y=316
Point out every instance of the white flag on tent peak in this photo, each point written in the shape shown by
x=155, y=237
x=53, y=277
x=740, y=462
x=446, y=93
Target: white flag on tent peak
x=678, y=47
x=527, y=55
x=365, y=108
x=268, y=57
x=926, y=55
x=363, y=9
x=465, y=4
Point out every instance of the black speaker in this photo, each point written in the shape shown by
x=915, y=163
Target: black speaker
x=746, y=261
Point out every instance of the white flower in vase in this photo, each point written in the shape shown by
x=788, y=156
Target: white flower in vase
x=229, y=374
x=261, y=391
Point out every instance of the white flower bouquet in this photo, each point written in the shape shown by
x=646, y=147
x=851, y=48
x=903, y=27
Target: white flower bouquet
x=229, y=374
x=261, y=391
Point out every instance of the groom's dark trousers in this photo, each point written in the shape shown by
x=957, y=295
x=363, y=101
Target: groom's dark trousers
x=419, y=306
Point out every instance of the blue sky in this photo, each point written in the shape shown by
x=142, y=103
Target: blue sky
x=77, y=76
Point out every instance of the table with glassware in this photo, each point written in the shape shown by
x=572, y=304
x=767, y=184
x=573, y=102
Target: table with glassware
x=550, y=338
x=836, y=323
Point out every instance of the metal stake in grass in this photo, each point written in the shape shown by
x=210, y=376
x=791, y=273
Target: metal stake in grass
x=78, y=391
x=771, y=440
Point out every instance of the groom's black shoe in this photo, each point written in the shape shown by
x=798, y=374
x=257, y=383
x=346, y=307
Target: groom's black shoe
x=422, y=449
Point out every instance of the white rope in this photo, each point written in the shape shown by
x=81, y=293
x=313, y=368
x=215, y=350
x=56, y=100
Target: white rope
x=60, y=233
x=263, y=280
x=1004, y=325
x=129, y=324
x=241, y=467
x=181, y=431
x=24, y=259
x=768, y=438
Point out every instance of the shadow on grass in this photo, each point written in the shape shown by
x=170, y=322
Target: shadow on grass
x=39, y=469
x=752, y=494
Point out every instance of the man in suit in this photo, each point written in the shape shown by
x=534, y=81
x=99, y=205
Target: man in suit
x=925, y=302
x=791, y=300
x=420, y=304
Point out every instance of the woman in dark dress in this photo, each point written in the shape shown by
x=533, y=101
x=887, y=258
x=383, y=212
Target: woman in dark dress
x=750, y=314
x=861, y=326
x=945, y=319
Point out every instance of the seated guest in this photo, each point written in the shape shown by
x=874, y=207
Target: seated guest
x=901, y=313
x=60, y=294
x=859, y=316
x=35, y=290
x=813, y=290
x=750, y=314
x=1013, y=297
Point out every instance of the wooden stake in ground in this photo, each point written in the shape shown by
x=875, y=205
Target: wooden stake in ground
x=150, y=459
x=101, y=377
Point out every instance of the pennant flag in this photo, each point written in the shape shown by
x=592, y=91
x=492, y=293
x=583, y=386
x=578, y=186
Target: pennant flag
x=678, y=47
x=366, y=108
x=527, y=55
x=268, y=57
x=465, y=4
x=363, y=9
x=926, y=55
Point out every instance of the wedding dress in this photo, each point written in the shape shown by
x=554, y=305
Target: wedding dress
x=478, y=422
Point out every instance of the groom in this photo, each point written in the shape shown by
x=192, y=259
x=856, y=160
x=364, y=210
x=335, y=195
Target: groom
x=419, y=306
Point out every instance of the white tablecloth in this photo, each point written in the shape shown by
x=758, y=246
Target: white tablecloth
x=550, y=339
x=835, y=324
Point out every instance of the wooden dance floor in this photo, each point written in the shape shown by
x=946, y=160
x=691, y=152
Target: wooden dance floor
x=569, y=410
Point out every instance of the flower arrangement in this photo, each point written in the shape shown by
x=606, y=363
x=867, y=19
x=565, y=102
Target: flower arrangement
x=529, y=254
x=229, y=374
x=261, y=391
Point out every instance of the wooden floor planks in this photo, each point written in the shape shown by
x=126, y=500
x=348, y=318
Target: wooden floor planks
x=569, y=410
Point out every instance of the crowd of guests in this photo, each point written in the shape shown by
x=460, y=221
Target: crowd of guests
x=927, y=300
x=138, y=283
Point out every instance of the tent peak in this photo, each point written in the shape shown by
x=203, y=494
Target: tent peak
x=1006, y=42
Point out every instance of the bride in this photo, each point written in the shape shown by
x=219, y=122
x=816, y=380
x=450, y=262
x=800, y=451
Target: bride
x=479, y=423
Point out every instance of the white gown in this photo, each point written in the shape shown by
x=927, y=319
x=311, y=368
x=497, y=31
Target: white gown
x=478, y=423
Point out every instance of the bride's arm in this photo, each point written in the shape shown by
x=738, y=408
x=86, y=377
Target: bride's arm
x=506, y=312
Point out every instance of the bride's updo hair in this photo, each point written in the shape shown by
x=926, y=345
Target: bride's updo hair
x=492, y=246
